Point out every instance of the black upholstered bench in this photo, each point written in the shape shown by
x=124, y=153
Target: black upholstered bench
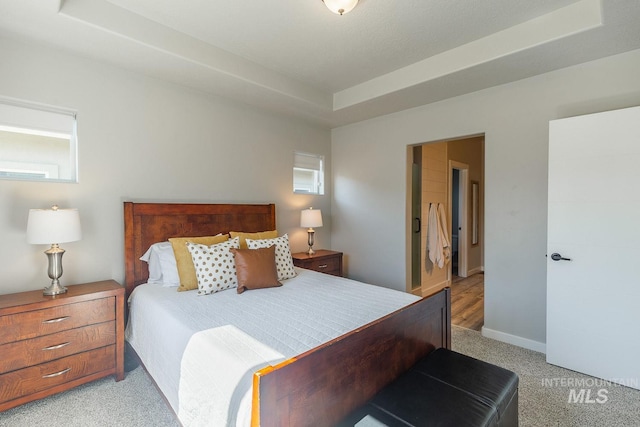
x=444, y=389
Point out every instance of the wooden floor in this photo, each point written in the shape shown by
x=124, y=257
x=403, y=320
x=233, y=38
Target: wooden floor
x=467, y=301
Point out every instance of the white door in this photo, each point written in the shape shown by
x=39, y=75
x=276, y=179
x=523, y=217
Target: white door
x=593, y=299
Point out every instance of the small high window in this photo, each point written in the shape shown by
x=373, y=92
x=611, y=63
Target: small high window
x=37, y=142
x=308, y=173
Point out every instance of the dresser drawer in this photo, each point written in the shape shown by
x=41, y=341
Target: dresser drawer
x=327, y=265
x=31, y=324
x=324, y=261
x=49, y=344
x=47, y=375
x=34, y=351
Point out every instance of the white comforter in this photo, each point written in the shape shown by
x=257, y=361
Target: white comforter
x=241, y=333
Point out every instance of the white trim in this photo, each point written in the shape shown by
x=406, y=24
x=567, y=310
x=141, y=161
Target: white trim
x=515, y=340
x=50, y=171
x=36, y=132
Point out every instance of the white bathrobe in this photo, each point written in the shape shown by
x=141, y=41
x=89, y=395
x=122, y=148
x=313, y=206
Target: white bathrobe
x=438, y=246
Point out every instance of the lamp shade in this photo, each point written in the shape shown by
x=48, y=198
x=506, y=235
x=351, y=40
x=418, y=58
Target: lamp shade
x=340, y=6
x=310, y=218
x=48, y=226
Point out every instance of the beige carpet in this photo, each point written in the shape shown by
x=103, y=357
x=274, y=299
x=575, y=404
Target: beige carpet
x=545, y=390
x=131, y=402
x=544, y=396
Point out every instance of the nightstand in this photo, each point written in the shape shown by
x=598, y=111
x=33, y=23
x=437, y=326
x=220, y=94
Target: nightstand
x=324, y=261
x=50, y=344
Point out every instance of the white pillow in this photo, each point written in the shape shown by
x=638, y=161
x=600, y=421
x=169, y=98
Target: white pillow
x=155, y=272
x=162, y=265
x=215, y=266
x=284, y=262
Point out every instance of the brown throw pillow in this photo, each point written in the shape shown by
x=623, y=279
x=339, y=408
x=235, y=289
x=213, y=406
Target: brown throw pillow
x=256, y=268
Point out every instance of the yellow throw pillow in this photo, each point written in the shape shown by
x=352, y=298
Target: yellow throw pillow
x=253, y=236
x=186, y=270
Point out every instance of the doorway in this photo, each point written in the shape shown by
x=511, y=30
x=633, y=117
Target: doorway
x=416, y=215
x=459, y=197
x=443, y=172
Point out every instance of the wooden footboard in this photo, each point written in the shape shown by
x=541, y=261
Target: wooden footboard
x=321, y=386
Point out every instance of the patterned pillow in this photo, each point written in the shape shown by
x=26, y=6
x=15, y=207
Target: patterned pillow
x=255, y=236
x=215, y=266
x=184, y=262
x=284, y=262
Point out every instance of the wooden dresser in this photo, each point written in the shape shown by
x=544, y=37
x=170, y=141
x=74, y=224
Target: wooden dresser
x=49, y=344
x=324, y=261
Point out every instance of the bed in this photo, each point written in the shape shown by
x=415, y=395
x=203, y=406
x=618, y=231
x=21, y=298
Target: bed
x=315, y=379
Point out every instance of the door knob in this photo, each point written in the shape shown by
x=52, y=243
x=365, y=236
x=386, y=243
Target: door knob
x=557, y=257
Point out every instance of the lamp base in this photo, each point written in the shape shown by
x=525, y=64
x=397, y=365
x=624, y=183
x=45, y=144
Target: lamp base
x=54, y=289
x=311, y=233
x=54, y=254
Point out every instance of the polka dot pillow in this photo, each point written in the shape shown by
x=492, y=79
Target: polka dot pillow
x=284, y=262
x=215, y=266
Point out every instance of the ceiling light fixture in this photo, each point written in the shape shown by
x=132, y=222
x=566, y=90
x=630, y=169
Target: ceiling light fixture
x=340, y=7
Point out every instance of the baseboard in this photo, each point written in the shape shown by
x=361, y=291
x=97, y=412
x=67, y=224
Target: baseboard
x=476, y=270
x=435, y=288
x=515, y=340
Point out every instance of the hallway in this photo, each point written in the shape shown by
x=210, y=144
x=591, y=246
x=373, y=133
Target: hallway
x=467, y=301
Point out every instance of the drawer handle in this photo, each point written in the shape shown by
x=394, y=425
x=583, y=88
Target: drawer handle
x=56, y=320
x=55, y=374
x=323, y=266
x=55, y=347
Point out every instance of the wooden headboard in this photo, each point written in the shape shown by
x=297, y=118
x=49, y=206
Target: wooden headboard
x=148, y=223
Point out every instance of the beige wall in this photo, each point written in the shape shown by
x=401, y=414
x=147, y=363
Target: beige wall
x=370, y=184
x=146, y=140
x=435, y=190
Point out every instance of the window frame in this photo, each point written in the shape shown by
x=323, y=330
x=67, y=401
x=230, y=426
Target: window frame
x=304, y=162
x=30, y=118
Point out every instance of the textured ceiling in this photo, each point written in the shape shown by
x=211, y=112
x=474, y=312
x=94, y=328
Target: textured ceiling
x=304, y=40
x=296, y=57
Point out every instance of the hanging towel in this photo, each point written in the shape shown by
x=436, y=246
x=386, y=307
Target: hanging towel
x=438, y=246
x=443, y=232
x=432, y=234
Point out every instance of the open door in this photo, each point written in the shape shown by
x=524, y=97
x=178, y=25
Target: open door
x=593, y=291
x=458, y=201
x=416, y=218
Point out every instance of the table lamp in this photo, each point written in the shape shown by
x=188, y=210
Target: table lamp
x=53, y=226
x=310, y=218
